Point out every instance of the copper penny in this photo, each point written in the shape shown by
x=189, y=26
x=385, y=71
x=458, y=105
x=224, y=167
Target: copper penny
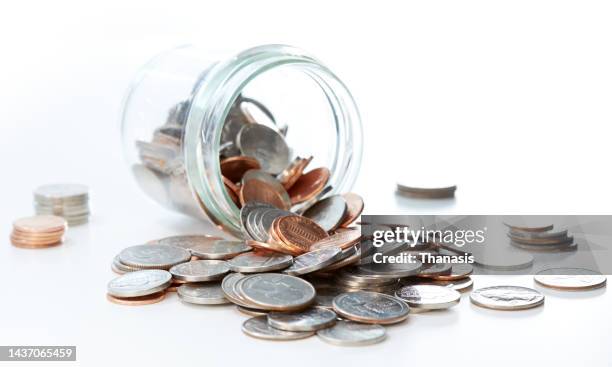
x=40, y=224
x=232, y=190
x=270, y=246
x=354, y=207
x=38, y=236
x=138, y=301
x=29, y=245
x=299, y=232
x=289, y=177
x=274, y=238
x=256, y=190
x=343, y=240
x=309, y=185
x=36, y=241
x=234, y=167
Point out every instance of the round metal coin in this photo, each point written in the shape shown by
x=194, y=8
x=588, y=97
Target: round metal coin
x=277, y=291
x=507, y=297
x=571, y=279
x=313, y=261
x=347, y=333
x=202, y=294
x=252, y=262
x=220, y=249
x=371, y=307
x=200, y=270
x=258, y=327
x=328, y=213
x=139, y=283
x=265, y=145
x=308, y=320
x=154, y=256
x=429, y=297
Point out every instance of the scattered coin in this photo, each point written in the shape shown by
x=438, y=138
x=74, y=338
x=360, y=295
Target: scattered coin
x=348, y=333
x=503, y=260
x=328, y=213
x=154, y=256
x=435, y=270
x=219, y=249
x=311, y=319
x=298, y=232
x=429, y=297
x=277, y=291
x=344, y=240
x=309, y=185
x=258, y=327
x=202, y=294
x=227, y=287
x=354, y=207
x=458, y=271
x=313, y=261
x=252, y=262
x=139, y=283
x=507, y=298
x=137, y=301
x=523, y=228
x=371, y=307
x=235, y=167
x=570, y=279
x=200, y=270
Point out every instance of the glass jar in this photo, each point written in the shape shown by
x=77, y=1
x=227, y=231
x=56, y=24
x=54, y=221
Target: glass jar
x=179, y=104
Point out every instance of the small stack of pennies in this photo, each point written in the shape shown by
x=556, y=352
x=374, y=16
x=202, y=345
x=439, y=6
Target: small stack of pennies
x=40, y=231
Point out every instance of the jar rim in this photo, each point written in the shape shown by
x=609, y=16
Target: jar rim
x=211, y=103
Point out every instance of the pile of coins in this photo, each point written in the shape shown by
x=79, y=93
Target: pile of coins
x=69, y=201
x=427, y=192
x=541, y=239
x=39, y=231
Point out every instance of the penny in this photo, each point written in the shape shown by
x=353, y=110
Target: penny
x=371, y=307
x=270, y=180
x=309, y=185
x=570, y=279
x=458, y=271
x=154, y=256
x=252, y=262
x=220, y=249
x=258, y=327
x=348, y=333
x=35, y=241
x=28, y=245
x=264, y=144
x=311, y=319
x=233, y=191
x=507, y=298
x=270, y=246
x=139, y=283
x=313, y=261
x=259, y=191
x=354, y=207
x=137, y=301
x=429, y=297
x=200, y=270
x=40, y=224
x=277, y=291
x=292, y=173
x=187, y=242
x=37, y=235
x=344, y=240
x=234, y=167
x=327, y=213
x=299, y=232
x=202, y=294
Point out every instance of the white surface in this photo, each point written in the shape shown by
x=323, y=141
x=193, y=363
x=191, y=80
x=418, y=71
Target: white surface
x=510, y=100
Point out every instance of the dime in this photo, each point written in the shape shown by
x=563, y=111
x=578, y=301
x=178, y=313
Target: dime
x=298, y=231
x=390, y=271
x=40, y=224
x=258, y=327
x=202, y=294
x=347, y=333
x=570, y=279
x=187, y=241
x=265, y=145
x=507, y=298
x=344, y=240
x=429, y=297
x=252, y=262
x=308, y=320
x=371, y=307
x=256, y=190
x=154, y=256
x=220, y=249
x=277, y=291
x=309, y=185
x=235, y=167
x=313, y=261
x=458, y=271
x=328, y=213
x=354, y=207
x=200, y=270
x=137, y=301
x=139, y=283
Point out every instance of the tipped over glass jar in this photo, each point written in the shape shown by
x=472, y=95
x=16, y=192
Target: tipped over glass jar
x=197, y=127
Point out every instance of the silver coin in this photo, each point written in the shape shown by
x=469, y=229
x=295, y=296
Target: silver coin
x=154, y=256
x=220, y=249
x=355, y=275
x=200, y=270
x=251, y=262
x=202, y=294
x=503, y=260
x=538, y=235
x=350, y=256
x=251, y=311
x=308, y=320
x=139, y=283
x=265, y=145
x=460, y=285
x=507, y=297
x=258, y=327
x=348, y=333
x=61, y=193
x=429, y=297
x=186, y=242
x=117, y=264
x=227, y=286
x=244, y=213
x=264, y=221
x=253, y=227
x=565, y=246
x=328, y=213
x=571, y=279
x=277, y=291
x=435, y=269
x=371, y=307
x=388, y=270
x=313, y=261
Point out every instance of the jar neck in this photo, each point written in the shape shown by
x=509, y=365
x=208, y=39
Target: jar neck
x=211, y=103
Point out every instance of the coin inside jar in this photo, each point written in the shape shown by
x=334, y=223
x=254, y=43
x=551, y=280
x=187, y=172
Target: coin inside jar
x=235, y=167
x=328, y=213
x=309, y=185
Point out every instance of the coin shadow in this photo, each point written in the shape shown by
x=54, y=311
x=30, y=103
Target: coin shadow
x=582, y=294
x=434, y=317
x=422, y=204
x=508, y=314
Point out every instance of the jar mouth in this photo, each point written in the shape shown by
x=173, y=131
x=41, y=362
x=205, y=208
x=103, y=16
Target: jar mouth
x=211, y=103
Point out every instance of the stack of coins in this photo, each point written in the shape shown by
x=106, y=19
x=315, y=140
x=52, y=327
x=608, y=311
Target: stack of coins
x=443, y=192
x=69, y=201
x=40, y=231
x=542, y=238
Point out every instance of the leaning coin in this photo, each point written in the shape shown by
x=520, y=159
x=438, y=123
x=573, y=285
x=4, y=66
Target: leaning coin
x=354, y=207
x=200, y=270
x=371, y=307
x=313, y=261
x=344, y=240
x=308, y=320
x=246, y=210
x=227, y=286
x=154, y=256
x=252, y=262
x=309, y=185
x=507, y=298
x=139, y=283
x=277, y=292
x=220, y=249
x=328, y=213
x=348, y=333
x=429, y=297
x=258, y=327
x=570, y=279
x=265, y=145
x=202, y=294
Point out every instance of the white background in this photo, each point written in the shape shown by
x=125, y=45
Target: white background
x=509, y=100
